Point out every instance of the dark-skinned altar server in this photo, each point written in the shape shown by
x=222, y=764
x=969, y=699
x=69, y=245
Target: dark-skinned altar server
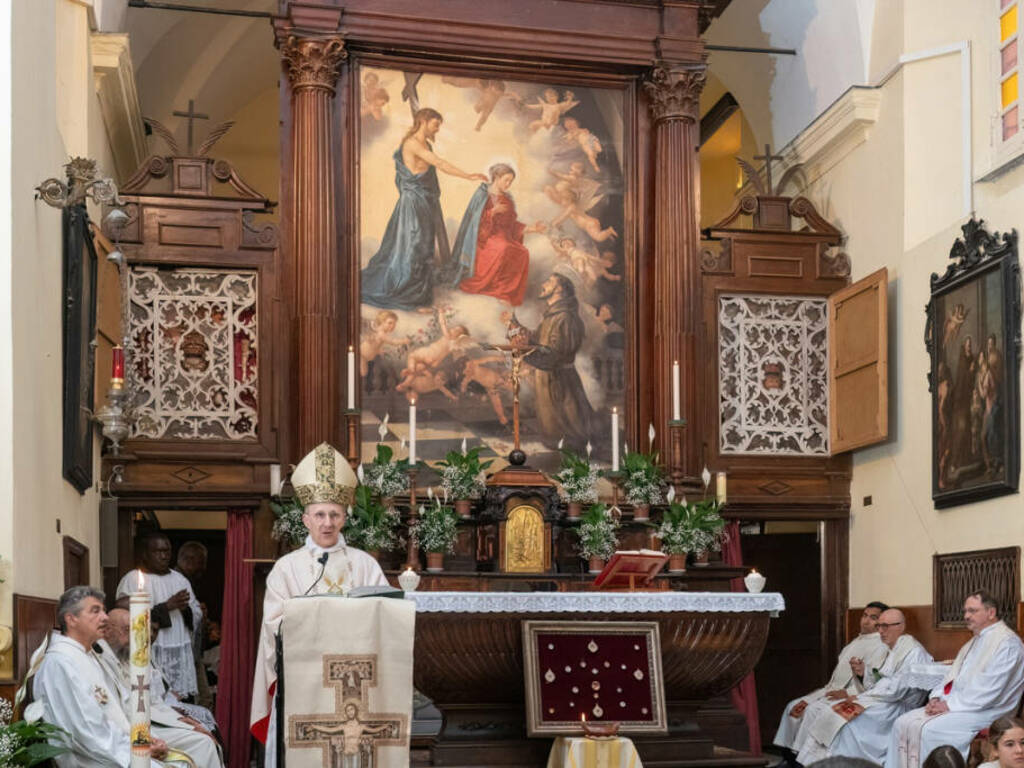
x=324, y=484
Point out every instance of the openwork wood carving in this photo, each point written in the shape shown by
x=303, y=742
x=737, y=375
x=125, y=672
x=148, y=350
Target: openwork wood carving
x=957, y=574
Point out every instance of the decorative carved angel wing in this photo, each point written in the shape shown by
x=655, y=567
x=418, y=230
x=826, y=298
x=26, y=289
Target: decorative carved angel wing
x=218, y=131
x=161, y=130
x=753, y=177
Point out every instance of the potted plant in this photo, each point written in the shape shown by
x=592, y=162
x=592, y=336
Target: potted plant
x=28, y=742
x=676, y=533
x=434, y=532
x=642, y=481
x=288, y=526
x=577, y=481
x=371, y=525
x=597, y=536
x=462, y=477
x=386, y=477
x=708, y=527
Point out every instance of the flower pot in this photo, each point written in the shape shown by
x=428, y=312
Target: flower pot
x=435, y=561
x=463, y=508
x=701, y=559
x=596, y=564
x=677, y=563
x=642, y=512
x=573, y=509
x=374, y=553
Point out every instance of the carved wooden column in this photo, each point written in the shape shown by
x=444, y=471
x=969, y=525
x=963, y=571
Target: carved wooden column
x=312, y=65
x=673, y=93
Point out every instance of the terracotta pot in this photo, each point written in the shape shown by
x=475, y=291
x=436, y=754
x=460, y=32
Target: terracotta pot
x=435, y=561
x=573, y=509
x=464, y=508
x=701, y=559
x=642, y=512
x=374, y=553
x=677, y=563
x=596, y=564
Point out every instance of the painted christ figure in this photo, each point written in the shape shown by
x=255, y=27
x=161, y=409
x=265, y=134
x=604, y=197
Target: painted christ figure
x=401, y=274
x=489, y=257
x=560, y=400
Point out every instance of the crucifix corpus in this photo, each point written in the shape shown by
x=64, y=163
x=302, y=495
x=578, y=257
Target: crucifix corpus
x=517, y=352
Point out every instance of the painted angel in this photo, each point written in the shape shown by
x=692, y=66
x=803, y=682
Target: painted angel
x=550, y=108
x=587, y=142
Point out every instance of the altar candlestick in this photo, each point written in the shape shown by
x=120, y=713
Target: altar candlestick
x=139, y=649
x=117, y=365
x=351, y=378
x=275, y=479
x=615, y=439
x=676, y=410
x=412, y=432
x=720, y=487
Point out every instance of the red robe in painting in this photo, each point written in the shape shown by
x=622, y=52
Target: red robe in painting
x=502, y=262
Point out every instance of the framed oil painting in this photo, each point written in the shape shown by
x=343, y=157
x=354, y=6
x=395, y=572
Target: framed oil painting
x=491, y=213
x=973, y=337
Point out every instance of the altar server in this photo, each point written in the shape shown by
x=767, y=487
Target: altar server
x=859, y=725
x=324, y=484
x=985, y=683
x=866, y=649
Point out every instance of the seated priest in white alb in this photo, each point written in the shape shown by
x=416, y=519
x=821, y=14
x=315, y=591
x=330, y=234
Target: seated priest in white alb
x=72, y=692
x=324, y=484
x=176, y=611
x=178, y=729
x=866, y=647
x=984, y=684
x=859, y=725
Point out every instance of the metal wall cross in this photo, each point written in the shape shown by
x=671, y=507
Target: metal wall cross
x=192, y=116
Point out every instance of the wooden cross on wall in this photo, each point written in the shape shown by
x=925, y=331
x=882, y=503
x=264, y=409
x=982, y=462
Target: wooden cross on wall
x=351, y=730
x=192, y=116
x=767, y=157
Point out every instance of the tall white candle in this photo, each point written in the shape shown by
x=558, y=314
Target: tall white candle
x=615, y=439
x=351, y=378
x=412, y=432
x=139, y=649
x=676, y=409
x=720, y=487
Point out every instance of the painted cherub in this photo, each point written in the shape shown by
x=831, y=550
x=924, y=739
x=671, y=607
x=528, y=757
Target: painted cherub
x=577, y=211
x=550, y=108
x=574, y=181
x=374, y=97
x=430, y=356
x=489, y=93
x=423, y=380
x=492, y=381
x=373, y=343
x=586, y=141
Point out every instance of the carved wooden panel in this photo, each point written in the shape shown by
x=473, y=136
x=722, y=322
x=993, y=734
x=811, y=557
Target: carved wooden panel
x=76, y=563
x=956, y=575
x=34, y=617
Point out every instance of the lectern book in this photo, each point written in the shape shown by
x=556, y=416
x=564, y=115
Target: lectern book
x=629, y=569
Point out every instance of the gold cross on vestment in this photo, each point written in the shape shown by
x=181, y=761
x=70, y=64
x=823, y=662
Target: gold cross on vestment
x=192, y=116
x=768, y=157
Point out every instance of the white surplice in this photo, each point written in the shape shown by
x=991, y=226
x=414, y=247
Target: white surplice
x=291, y=576
x=173, y=647
x=166, y=723
x=987, y=679
x=76, y=696
x=886, y=697
x=868, y=647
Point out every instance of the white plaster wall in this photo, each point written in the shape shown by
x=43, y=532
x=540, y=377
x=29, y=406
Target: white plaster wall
x=6, y=341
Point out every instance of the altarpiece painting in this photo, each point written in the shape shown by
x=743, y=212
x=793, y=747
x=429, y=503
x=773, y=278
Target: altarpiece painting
x=973, y=336
x=490, y=211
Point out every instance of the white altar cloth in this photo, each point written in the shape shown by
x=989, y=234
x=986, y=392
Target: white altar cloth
x=596, y=602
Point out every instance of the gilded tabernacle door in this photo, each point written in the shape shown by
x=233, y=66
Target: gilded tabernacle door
x=491, y=211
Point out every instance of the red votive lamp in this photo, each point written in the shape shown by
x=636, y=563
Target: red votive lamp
x=117, y=364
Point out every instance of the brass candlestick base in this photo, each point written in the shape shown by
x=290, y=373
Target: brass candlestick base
x=353, y=451
x=412, y=555
x=676, y=473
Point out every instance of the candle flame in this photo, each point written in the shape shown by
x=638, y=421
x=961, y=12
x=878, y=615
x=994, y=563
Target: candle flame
x=142, y=582
x=615, y=409
x=675, y=362
x=351, y=348
x=583, y=717
x=413, y=402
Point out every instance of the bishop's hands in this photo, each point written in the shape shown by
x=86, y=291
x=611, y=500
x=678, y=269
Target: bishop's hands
x=857, y=665
x=838, y=695
x=158, y=749
x=936, y=707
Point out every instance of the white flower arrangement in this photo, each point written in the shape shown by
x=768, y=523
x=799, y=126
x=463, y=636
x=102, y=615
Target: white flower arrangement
x=436, y=528
x=597, y=533
x=577, y=479
x=288, y=526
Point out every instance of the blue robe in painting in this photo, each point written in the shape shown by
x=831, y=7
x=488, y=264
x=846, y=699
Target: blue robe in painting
x=401, y=274
x=463, y=263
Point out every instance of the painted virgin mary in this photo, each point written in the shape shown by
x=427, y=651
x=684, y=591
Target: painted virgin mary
x=489, y=257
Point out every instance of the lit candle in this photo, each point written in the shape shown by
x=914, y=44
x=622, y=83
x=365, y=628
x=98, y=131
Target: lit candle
x=139, y=605
x=720, y=487
x=275, y=479
x=412, y=432
x=615, y=439
x=351, y=378
x=117, y=365
x=676, y=410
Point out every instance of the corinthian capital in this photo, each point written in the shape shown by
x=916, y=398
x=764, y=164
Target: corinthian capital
x=674, y=93
x=313, y=62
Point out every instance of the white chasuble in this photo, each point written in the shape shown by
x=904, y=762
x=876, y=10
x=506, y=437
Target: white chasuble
x=292, y=576
x=347, y=682
x=868, y=647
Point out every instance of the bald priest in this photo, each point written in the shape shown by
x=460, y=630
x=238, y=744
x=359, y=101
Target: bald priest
x=866, y=648
x=324, y=484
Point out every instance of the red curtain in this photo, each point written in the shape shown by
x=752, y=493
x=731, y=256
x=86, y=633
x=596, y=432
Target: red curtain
x=744, y=695
x=238, y=640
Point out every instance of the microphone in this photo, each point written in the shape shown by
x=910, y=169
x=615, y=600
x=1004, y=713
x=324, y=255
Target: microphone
x=323, y=565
